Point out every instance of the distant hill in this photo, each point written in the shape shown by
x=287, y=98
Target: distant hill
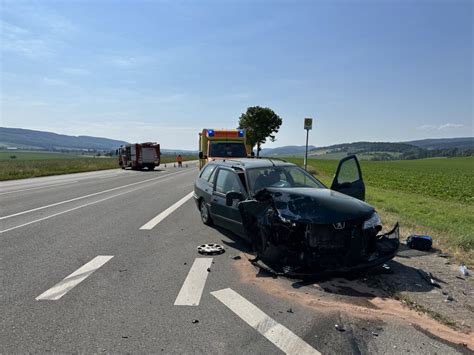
x=30, y=139
x=446, y=147
x=443, y=143
x=286, y=150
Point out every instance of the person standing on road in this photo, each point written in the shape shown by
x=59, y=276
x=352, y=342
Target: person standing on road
x=179, y=159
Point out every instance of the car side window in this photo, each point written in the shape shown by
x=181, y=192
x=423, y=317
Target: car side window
x=348, y=172
x=207, y=171
x=228, y=181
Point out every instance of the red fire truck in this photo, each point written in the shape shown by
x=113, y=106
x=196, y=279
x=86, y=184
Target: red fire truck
x=139, y=155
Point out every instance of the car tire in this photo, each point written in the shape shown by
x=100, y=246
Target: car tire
x=205, y=216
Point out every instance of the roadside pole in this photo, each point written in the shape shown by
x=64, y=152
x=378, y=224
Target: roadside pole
x=308, y=124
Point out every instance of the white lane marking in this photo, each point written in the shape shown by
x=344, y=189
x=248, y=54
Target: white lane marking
x=153, y=222
x=75, y=208
x=39, y=187
x=191, y=291
x=282, y=337
x=66, y=285
x=85, y=196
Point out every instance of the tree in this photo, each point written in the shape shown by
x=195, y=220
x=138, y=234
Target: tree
x=259, y=123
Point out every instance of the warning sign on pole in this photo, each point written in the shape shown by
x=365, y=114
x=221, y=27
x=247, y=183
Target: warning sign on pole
x=308, y=123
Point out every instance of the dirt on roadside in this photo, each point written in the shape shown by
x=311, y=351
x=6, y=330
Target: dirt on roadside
x=402, y=294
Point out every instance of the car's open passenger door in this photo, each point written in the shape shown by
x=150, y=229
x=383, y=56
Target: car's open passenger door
x=348, y=179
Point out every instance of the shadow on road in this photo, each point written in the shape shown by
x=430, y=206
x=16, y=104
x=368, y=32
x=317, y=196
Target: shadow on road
x=382, y=281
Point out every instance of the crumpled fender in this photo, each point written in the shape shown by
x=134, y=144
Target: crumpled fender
x=275, y=220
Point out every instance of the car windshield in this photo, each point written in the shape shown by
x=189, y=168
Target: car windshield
x=286, y=176
x=227, y=149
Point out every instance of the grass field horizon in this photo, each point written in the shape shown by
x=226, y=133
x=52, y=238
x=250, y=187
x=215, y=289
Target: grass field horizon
x=28, y=164
x=427, y=196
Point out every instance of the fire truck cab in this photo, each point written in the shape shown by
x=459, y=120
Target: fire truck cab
x=139, y=155
x=222, y=144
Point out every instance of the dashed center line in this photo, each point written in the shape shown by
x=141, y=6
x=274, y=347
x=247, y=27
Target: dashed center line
x=66, y=285
x=191, y=291
x=278, y=334
x=153, y=222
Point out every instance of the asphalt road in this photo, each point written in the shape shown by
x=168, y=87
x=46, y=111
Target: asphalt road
x=79, y=275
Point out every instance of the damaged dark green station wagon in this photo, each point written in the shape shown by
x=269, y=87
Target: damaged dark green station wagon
x=296, y=225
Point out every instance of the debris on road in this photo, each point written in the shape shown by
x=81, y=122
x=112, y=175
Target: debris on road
x=339, y=327
x=463, y=269
x=195, y=321
x=443, y=255
x=375, y=334
x=208, y=269
x=210, y=249
x=428, y=277
x=419, y=242
x=290, y=310
x=236, y=257
x=449, y=298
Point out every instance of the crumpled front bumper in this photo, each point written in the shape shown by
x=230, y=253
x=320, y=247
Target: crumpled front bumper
x=386, y=248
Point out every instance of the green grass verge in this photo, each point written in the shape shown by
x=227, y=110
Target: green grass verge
x=25, y=155
x=45, y=164
x=432, y=196
x=20, y=169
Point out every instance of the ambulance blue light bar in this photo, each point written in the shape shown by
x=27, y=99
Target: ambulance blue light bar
x=211, y=133
x=241, y=133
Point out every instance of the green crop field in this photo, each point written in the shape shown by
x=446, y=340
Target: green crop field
x=26, y=155
x=429, y=196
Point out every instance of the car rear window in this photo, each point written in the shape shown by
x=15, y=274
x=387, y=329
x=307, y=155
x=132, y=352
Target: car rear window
x=207, y=171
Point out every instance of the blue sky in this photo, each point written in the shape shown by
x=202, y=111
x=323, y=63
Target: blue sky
x=163, y=70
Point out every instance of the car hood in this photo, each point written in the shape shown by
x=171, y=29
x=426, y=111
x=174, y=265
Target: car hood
x=318, y=206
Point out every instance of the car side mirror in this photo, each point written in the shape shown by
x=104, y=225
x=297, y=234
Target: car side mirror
x=201, y=155
x=231, y=196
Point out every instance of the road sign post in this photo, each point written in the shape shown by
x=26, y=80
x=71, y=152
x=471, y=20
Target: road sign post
x=308, y=124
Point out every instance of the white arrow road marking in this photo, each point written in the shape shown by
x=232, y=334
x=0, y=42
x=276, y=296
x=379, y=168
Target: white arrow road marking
x=66, y=285
x=153, y=222
x=279, y=335
x=191, y=291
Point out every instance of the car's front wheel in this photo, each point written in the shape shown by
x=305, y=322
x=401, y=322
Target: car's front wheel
x=205, y=216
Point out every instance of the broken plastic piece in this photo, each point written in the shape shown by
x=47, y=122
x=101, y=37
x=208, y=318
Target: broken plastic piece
x=428, y=277
x=464, y=270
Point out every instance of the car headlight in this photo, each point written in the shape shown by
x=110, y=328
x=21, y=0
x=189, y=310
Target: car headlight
x=372, y=222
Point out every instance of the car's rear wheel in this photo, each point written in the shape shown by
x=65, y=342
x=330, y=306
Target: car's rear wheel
x=205, y=216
